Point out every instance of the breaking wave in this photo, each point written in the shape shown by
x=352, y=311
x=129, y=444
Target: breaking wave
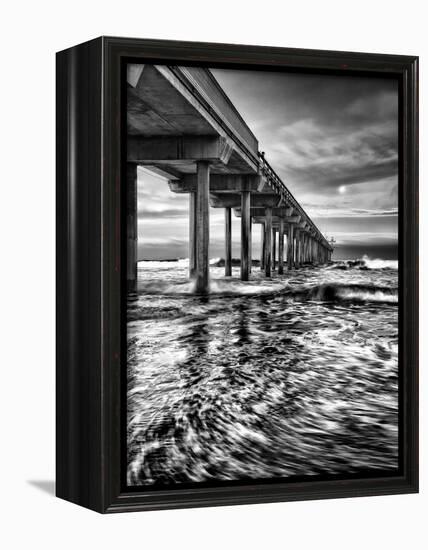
x=365, y=263
x=325, y=292
x=304, y=285
x=379, y=264
x=351, y=293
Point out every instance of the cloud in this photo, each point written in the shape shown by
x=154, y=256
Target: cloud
x=314, y=157
x=320, y=132
x=361, y=212
x=365, y=237
x=162, y=214
x=165, y=241
x=328, y=212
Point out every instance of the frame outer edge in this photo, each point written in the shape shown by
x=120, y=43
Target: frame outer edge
x=88, y=403
x=78, y=308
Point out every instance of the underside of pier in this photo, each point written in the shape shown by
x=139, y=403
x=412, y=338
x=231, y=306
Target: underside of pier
x=181, y=125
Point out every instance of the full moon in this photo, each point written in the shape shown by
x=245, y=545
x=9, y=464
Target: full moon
x=342, y=189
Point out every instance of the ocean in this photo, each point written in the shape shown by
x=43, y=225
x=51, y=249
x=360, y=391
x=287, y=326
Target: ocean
x=296, y=375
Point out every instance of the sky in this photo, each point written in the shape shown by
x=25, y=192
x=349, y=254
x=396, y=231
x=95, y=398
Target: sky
x=334, y=142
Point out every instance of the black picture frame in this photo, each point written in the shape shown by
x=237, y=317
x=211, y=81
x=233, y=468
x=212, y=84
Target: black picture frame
x=90, y=350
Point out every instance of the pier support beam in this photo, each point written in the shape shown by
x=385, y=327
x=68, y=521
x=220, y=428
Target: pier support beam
x=281, y=247
x=273, y=249
x=303, y=241
x=245, y=235
x=192, y=234
x=250, y=252
x=228, y=242
x=268, y=242
x=301, y=248
x=290, y=246
x=131, y=228
x=306, y=247
x=297, y=250
x=202, y=227
x=262, y=246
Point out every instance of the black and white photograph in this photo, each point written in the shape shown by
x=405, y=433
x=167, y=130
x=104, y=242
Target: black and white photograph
x=261, y=268
x=213, y=234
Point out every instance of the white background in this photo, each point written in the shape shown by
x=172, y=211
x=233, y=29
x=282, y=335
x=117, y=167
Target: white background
x=31, y=32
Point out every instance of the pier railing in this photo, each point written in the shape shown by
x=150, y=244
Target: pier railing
x=278, y=185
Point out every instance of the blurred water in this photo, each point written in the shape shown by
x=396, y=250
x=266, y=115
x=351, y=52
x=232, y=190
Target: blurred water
x=294, y=375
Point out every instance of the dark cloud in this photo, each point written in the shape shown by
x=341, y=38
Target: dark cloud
x=166, y=213
x=373, y=251
x=337, y=102
x=320, y=131
x=324, y=178
x=361, y=224
x=358, y=211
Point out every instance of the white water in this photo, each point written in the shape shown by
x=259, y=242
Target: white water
x=293, y=375
x=380, y=264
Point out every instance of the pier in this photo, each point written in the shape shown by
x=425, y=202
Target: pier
x=182, y=125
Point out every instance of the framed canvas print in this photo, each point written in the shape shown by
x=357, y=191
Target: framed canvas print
x=237, y=288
